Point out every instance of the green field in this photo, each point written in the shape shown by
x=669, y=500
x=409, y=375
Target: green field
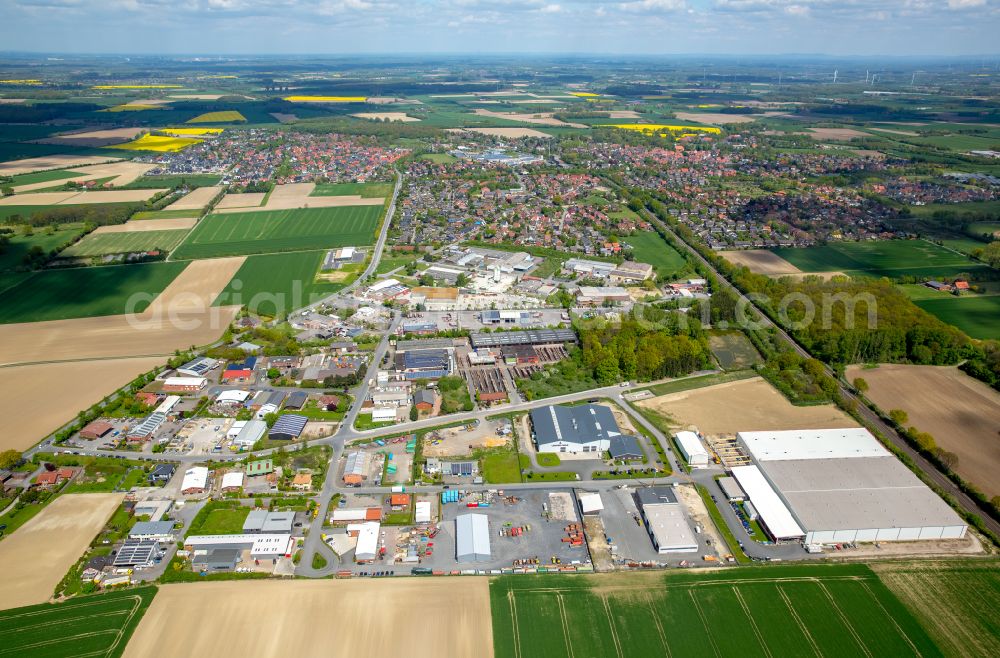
x=13, y=255
x=976, y=315
x=277, y=283
x=85, y=292
x=367, y=190
x=955, y=601
x=42, y=177
x=262, y=232
x=439, y=158
x=165, y=214
x=828, y=610
x=120, y=243
x=733, y=350
x=98, y=625
x=890, y=258
x=649, y=247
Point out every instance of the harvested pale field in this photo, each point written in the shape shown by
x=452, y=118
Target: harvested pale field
x=540, y=118
x=195, y=199
x=245, y=200
x=148, y=225
x=284, y=117
x=961, y=413
x=531, y=101
x=180, y=316
x=40, y=552
x=624, y=114
x=385, y=116
x=37, y=199
x=31, y=416
x=12, y=101
x=908, y=133
x=95, y=138
x=868, y=153
x=121, y=173
x=78, y=198
x=744, y=405
x=29, y=165
x=197, y=97
x=835, y=133
x=510, y=133
x=386, y=617
x=760, y=261
x=714, y=118
x=297, y=195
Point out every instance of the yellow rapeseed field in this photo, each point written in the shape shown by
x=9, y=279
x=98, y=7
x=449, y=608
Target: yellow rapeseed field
x=583, y=94
x=657, y=128
x=326, y=99
x=191, y=132
x=20, y=82
x=225, y=116
x=137, y=87
x=131, y=107
x=160, y=143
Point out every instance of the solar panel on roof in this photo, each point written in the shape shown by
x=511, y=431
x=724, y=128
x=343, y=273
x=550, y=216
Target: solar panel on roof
x=135, y=552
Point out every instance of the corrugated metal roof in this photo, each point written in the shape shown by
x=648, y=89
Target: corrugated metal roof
x=472, y=538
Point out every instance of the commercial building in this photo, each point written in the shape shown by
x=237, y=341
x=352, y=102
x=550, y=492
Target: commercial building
x=691, y=449
x=288, y=427
x=731, y=489
x=232, y=481
x=154, y=509
x=384, y=415
x=836, y=486
x=599, y=295
x=136, y=553
x=96, y=430
x=425, y=364
x=505, y=317
x=367, y=547
x=583, y=428
x=184, y=384
x=472, y=538
x=422, y=512
x=356, y=468
x=195, y=480
x=233, y=396
x=248, y=432
x=590, y=503
x=625, y=448
x=154, y=530
x=216, y=559
x=197, y=367
x=529, y=337
x=665, y=520
x=147, y=427
x=260, y=467
x=261, y=546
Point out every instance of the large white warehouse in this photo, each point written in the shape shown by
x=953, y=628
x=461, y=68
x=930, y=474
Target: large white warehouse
x=839, y=485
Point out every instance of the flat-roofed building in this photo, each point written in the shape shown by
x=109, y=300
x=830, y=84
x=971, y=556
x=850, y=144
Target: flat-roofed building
x=472, y=538
x=665, y=520
x=691, y=449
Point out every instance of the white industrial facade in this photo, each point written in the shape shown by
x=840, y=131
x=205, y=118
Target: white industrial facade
x=692, y=450
x=367, y=548
x=665, y=521
x=839, y=486
x=472, y=538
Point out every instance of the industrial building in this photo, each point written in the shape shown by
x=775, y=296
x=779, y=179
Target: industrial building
x=153, y=530
x=262, y=521
x=232, y=481
x=665, y=520
x=583, y=428
x=195, y=480
x=425, y=364
x=261, y=546
x=356, y=468
x=691, y=449
x=288, y=427
x=367, y=547
x=245, y=433
x=530, y=337
x=147, y=427
x=136, y=553
x=731, y=489
x=197, y=367
x=836, y=486
x=625, y=448
x=472, y=538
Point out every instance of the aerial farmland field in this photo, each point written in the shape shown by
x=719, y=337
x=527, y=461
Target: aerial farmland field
x=955, y=601
x=125, y=242
x=649, y=247
x=889, y=258
x=274, y=283
x=281, y=230
x=84, y=292
x=98, y=625
x=15, y=251
x=976, y=315
x=791, y=611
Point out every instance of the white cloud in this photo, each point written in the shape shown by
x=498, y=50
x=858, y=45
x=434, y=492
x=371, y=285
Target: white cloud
x=965, y=4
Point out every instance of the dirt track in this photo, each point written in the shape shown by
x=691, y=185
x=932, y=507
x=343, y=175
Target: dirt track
x=743, y=406
x=411, y=617
x=760, y=261
x=961, y=413
x=39, y=553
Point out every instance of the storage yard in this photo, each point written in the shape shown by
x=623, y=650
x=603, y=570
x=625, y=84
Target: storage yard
x=392, y=617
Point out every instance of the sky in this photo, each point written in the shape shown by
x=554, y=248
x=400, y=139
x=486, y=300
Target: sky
x=264, y=27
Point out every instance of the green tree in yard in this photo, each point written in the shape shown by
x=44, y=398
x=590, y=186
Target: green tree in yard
x=861, y=385
x=991, y=254
x=9, y=459
x=607, y=371
x=413, y=412
x=899, y=417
